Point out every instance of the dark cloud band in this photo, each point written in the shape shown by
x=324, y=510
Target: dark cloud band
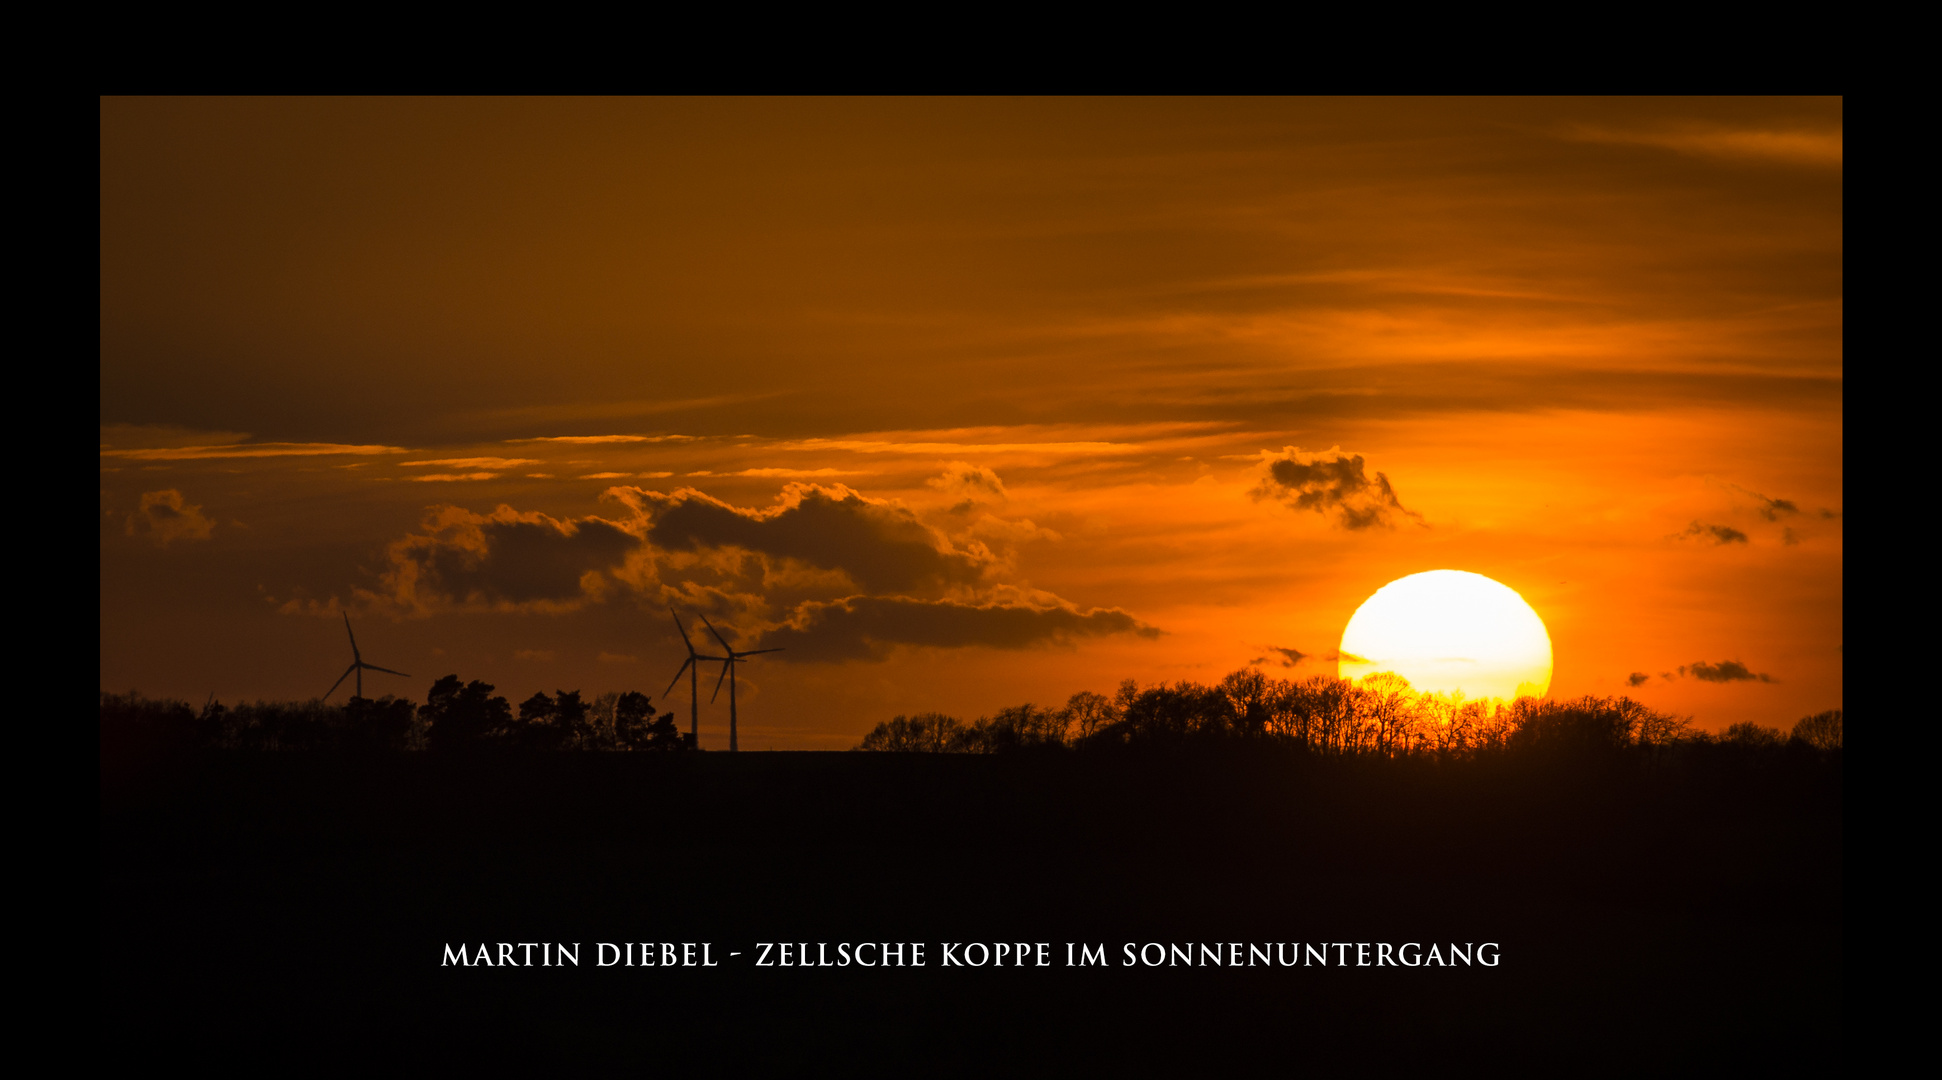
x=867, y=627
x=882, y=547
x=504, y=559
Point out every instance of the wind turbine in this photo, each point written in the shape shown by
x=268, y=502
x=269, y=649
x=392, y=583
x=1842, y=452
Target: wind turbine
x=357, y=665
x=692, y=665
x=728, y=672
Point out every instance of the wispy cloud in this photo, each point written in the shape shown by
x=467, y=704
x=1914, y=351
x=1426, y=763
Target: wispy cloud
x=589, y=440
x=438, y=477
x=884, y=446
x=1793, y=146
x=249, y=450
x=615, y=410
x=1715, y=534
x=1049, y=442
x=786, y=474
x=477, y=462
x=1769, y=508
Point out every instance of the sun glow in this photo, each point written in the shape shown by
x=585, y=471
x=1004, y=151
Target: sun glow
x=1449, y=631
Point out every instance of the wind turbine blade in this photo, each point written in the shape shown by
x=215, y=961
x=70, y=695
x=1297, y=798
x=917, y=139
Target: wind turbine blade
x=718, y=637
x=726, y=664
x=353, y=637
x=756, y=652
x=338, y=683
x=684, y=634
x=386, y=670
x=685, y=665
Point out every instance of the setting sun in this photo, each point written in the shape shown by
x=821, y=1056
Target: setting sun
x=1029, y=558
x=1447, y=631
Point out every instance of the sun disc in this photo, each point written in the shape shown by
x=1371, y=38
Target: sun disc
x=1449, y=631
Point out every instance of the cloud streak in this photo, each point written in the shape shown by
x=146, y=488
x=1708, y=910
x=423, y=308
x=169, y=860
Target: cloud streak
x=594, y=440
x=869, y=627
x=776, y=473
x=476, y=463
x=1792, y=146
x=250, y=450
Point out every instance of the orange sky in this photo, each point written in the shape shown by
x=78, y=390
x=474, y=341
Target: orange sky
x=964, y=402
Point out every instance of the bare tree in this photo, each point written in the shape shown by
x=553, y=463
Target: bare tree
x=1086, y=713
x=1822, y=731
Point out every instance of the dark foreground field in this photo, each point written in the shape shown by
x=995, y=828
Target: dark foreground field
x=282, y=911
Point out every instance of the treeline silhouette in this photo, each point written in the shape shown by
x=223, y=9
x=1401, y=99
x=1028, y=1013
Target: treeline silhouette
x=1618, y=854
x=1381, y=715
x=456, y=717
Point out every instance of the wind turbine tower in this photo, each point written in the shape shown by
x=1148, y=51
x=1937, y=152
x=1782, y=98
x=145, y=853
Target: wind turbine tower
x=357, y=666
x=692, y=666
x=728, y=672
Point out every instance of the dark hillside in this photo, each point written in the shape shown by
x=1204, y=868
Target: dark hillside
x=1649, y=917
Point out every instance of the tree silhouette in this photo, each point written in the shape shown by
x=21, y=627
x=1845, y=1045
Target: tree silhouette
x=925, y=733
x=1387, y=708
x=1020, y=727
x=1656, y=729
x=376, y=726
x=1752, y=736
x=1247, y=692
x=633, y=714
x=1378, y=715
x=550, y=723
x=573, y=725
x=637, y=728
x=536, y=728
x=1822, y=731
x=137, y=727
x=892, y=736
x=664, y=735
x=464, y=717
x=1087, y=712
x=600, y=722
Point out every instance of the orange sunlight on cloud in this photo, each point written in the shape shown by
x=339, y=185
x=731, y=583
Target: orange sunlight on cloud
x=967, y=402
